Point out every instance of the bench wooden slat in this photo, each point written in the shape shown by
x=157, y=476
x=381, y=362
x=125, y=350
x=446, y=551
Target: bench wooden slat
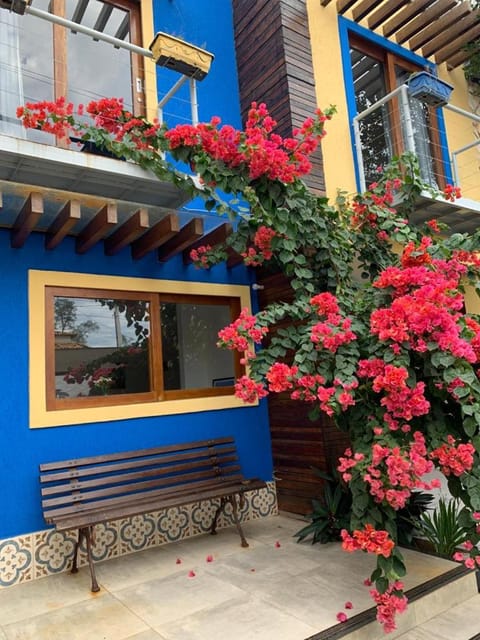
x=131, y=488
x=213, y=486
x=87, y=518
x=199, y=444
x=170, y=472
x=81, y=471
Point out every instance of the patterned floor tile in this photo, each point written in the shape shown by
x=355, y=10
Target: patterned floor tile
x=16, y=560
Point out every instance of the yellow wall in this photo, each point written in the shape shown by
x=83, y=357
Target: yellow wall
x=151, y=99
x=338, y=160
x=330, y=89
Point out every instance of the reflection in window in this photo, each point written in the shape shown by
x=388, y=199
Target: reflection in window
x=44, y=61
x=191, y=359
x=101, y=347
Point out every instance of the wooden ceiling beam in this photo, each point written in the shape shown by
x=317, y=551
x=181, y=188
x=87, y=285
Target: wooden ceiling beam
x=344, y=5
x=156, y=236
x=97, y=228
x=127, y=232
x=185, y=238
x=403, y=17
x=26, y=220
x=445, y=38
x=424, y=19
x=439, y=26
x=458, y=44
x=385, y=11
x=63, y=223
x=234, y=258
x=364, y=9
x=214, y=237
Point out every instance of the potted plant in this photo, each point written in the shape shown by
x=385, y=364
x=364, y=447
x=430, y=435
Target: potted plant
x=429, y=89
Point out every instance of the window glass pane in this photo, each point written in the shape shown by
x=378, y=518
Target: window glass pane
x=101, y=346
x=375, y=129
x=191, y=359
x=96, y=69
x=26, y=68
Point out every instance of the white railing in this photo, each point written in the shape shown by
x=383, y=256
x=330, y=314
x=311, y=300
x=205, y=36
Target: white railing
x=410, y=132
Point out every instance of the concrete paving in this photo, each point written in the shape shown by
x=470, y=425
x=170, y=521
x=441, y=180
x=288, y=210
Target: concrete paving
x=208, y=587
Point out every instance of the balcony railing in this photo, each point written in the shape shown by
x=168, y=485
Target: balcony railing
x=398, y=123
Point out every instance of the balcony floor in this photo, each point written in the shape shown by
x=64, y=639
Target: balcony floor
x=285, y=591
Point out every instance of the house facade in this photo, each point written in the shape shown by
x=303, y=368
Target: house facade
x=107, y=322
x=109, y=330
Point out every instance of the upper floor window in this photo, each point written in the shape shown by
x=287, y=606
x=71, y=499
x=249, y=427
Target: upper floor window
x=118, y=347
x=40, y=60
x=377, y=72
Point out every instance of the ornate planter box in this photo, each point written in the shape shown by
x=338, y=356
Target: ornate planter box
x=427, y=88
x=180, y=56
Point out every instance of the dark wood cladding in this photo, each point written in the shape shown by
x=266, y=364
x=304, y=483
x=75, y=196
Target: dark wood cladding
x=298, y=444
x=274, y=63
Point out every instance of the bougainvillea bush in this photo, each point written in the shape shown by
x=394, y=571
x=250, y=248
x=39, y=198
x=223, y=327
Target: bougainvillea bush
x=377, y=335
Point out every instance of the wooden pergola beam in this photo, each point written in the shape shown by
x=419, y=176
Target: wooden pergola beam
x=443, y=39
x=127, y=233
x=344, y=5
x=63, y=223
x=424, y=19
x=185, y=238
x=458, y=44
x=96, y=229
x=26, y=220
x=385, y=11
x=214, y=237
x=404, y=16
x=156, y=236
x=363, y=9
x=439, y=26
x=458, y=59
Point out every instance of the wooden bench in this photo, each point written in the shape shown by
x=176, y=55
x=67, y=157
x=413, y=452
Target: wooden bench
x=81, y=493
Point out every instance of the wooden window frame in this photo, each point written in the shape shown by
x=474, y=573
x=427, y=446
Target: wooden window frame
x=60, y=53
x=389, y=61
x=157, y=393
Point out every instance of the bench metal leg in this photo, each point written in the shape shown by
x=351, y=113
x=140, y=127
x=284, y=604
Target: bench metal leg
x=233, y=501
x=87, y=534
x=213, y=528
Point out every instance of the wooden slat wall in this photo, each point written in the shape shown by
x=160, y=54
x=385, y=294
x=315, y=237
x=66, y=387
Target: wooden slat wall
x=298, y=444
x=275, y=65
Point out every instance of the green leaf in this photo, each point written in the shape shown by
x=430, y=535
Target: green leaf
x=381, y=584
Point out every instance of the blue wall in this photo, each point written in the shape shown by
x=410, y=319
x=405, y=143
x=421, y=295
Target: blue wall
x=209, y=25
x=22, y=449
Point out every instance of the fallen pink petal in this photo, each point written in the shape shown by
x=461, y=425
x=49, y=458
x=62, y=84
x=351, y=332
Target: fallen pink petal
x=209, y=558
x=178, y=561
x=348, y=605
x=252, y=569
x=191, y=574
x=277, y=544
x=341, y=617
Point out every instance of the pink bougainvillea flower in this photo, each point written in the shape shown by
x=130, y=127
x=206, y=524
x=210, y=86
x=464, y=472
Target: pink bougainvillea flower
x=277, y=544
x=348, y=605
x=209, y=558
x=342, y=617
x=367, y=582
x=191, y=574
x=178, y=561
